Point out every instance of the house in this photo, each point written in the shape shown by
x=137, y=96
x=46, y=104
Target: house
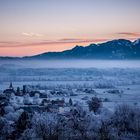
x=58, y=102
x=18, y=92
x=53, y=108
x=42, y=94
x=9, y=91
x=45, y=102
x=35, y=108
x=3, y=101
x=32, y=93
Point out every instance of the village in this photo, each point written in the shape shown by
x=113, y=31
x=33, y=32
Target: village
x=34, y=100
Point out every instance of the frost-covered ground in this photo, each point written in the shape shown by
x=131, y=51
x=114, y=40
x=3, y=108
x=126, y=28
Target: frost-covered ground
x=76, y=76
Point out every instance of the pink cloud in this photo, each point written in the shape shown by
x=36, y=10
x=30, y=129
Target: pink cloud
x=130, y=34
x=49, y=42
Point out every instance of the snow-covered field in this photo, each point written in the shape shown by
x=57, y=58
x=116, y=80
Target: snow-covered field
x=101, y=76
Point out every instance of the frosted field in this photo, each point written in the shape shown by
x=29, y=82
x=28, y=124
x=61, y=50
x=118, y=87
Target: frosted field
x=72, y=76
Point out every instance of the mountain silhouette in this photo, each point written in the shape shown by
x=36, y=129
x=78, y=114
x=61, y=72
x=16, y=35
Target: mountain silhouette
x=115, y=49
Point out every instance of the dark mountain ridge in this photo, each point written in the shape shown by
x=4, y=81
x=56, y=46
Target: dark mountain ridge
x=115, y=49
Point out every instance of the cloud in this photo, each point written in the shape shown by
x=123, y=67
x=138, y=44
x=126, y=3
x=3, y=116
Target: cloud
x=70, y=39
x=50, y=42
x=130, y=34
x=9, y=42
x=31, y=34
x=76, y=40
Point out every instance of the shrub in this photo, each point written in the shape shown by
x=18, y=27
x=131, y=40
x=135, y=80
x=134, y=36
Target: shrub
x=94, y=104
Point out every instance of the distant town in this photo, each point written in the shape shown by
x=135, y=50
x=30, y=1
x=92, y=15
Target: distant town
x=34, y=100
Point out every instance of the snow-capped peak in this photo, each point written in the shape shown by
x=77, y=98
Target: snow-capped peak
x=136, y=42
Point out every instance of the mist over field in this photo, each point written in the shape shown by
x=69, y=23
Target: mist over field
x=98, y=74
x=74, y=63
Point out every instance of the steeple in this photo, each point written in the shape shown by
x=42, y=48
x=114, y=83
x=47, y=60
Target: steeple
x=11, y=86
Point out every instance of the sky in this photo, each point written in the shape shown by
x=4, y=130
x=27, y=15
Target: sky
x=29, y=27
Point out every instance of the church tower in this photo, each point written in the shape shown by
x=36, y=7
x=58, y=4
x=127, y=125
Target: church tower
x=11, y=86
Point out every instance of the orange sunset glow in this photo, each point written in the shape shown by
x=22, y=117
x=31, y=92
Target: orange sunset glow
x=34, y=27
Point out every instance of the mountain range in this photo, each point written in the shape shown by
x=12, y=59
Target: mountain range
x=115, y=49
